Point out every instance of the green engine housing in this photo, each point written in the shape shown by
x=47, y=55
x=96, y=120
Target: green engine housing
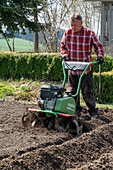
x=65, y=105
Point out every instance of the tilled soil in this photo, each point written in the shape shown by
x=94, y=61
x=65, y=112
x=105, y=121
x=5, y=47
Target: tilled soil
x=40, y=148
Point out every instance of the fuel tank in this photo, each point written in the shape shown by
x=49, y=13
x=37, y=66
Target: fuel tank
x=65, y=105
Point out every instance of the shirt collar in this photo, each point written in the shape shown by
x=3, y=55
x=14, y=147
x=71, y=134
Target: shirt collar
x=78, y=33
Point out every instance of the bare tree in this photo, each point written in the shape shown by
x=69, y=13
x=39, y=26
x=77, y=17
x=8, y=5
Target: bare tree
x=97, y=17
x=90, y=12
x=85, y=10
x=54, y=17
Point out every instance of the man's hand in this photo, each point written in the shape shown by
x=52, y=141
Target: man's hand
x=65, y=58
x=100, y=60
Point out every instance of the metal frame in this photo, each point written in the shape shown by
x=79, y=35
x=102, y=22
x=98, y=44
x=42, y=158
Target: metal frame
x=80, y=79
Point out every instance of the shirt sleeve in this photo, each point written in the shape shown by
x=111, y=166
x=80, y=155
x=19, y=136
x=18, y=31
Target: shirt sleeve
x=64, y=50
x=97, y=46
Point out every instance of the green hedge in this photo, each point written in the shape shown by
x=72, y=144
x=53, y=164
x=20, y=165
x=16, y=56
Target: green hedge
x=32, y=66
x=107, y=87
x=38, y=66
x=106, y=66
x=106, y=95
x=48, y=67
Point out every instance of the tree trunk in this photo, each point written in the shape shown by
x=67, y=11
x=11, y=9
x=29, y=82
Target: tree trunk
x=46, y=41
x=36, y=42
x=36, y=34
x=13, y=45
x=7, y=42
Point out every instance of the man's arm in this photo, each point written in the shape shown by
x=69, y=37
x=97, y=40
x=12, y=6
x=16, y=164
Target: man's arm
x=97, y=46
x=64, y=50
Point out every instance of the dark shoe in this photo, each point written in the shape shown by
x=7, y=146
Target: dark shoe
x=94, y=116
x=78, y=114
x=93, y=113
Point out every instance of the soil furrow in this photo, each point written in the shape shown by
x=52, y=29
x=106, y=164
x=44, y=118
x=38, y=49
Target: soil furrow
x=88, y=147
x=39, y=148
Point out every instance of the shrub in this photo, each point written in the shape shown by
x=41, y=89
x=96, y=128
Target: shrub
x=106, y=66
x=107, y=87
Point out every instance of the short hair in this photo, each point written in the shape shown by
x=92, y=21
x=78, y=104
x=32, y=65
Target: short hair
x=75, y=16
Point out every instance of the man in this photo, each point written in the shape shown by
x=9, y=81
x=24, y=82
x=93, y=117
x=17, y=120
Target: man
x=76, y=44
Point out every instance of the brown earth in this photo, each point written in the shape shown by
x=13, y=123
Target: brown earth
x=38, y=148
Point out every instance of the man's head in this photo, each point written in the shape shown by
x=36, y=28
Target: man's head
x=76, y=22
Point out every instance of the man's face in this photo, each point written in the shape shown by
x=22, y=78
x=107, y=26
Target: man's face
x=76, y=25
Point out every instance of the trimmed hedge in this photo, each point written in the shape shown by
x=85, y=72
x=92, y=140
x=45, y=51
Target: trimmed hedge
x=38, y=66
x=48, y=67
x=106, y=66
x=106, y=95
x=31, y=66
x=107, y=87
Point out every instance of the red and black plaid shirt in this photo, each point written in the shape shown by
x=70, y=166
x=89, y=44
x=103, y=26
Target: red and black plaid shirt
x=78, y=47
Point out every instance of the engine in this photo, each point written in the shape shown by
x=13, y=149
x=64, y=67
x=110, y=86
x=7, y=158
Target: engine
x=48, y=96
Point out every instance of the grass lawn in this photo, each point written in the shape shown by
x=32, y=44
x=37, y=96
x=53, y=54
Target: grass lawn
x=110, y=106
x=20, y=45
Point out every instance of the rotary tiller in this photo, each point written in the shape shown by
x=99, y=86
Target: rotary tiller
x=57, y=106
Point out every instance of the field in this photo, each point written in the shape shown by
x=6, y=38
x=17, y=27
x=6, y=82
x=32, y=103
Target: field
x=40, y=148
x=20, y=45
